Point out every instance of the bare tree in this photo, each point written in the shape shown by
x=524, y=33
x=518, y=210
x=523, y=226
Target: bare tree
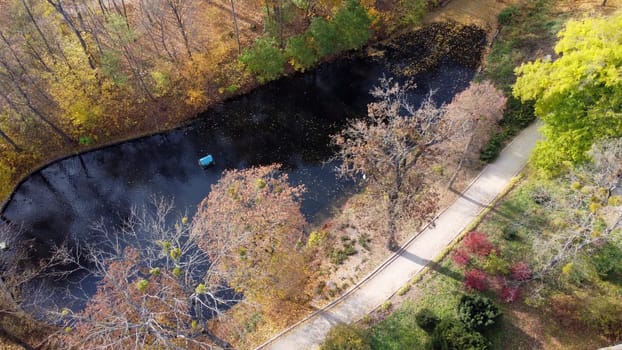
x=157, y=288
x=589, y=212
x=179, y=10
x=482, y=105
x=235, y=26
x=58, y=6
x=13, y=274
x=392, y=150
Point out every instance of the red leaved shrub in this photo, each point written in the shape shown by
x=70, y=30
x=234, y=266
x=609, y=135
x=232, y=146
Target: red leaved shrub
x=509, y=294
x=520, y=271
x=461, y=257
x=475, y=280
x=477, y=243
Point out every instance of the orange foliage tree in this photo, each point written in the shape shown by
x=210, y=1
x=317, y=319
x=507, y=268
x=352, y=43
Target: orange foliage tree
x=250, y=225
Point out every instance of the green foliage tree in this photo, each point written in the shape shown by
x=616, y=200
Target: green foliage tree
x=579, y=95
x=451, y=334
x=264, y=59
x=301, y=52
x=348, y=30
x=325, y=36
x=353, y=25
x=478, y=312
x=346, y=337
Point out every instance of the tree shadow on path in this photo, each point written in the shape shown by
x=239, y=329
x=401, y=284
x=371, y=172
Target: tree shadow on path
x=432, y=265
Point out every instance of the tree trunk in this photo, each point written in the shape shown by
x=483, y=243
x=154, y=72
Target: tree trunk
x=34, y=54
x=59, y=8
x=10, y=141
x=392, y=220
x=180, y=25
x=23, y=68
x=35, y=110
x=34, y=22
x=235, y=26
x=83, y=164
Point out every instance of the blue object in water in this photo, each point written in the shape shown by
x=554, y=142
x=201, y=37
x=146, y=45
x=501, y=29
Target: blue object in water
x=206, y=161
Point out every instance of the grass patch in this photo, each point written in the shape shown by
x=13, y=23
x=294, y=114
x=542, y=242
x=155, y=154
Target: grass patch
x=339, y=255
x=526, y=30
x=398, y=331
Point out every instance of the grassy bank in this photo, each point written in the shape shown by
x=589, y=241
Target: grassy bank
x=540, y=318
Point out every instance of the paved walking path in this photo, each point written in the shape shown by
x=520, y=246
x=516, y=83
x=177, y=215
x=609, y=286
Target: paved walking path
x=400, y=268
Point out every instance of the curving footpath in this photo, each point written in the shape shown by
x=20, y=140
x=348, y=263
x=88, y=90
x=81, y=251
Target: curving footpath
x=399, y=269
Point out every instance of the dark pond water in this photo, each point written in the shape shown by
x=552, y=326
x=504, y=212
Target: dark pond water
x=287, y=121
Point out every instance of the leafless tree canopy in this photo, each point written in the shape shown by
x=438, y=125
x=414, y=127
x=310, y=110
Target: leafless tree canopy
x=157, y=288
x=393, y=148
x=591, y=211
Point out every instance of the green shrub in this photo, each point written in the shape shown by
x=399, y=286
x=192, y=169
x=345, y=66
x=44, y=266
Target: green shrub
x=86, y=140
x=510, y=233
x=517, y=116
x=317, y=238
x=451, y=334
x=346, y=337
x=413, y=11
x=608, y=262
x=492, y=148
x=232, y=89
x=264, y=59
x=364, y=241
x=427, y=320
x=496, y=264
x=338, y=256
x=477, y=312
x=604, y=313
x=386, y=306
x=506, y=15
x=319, y=289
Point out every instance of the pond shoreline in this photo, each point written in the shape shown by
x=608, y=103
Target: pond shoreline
x=363, y=53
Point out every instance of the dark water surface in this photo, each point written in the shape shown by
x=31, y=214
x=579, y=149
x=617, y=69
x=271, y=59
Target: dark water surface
x=288, y=121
